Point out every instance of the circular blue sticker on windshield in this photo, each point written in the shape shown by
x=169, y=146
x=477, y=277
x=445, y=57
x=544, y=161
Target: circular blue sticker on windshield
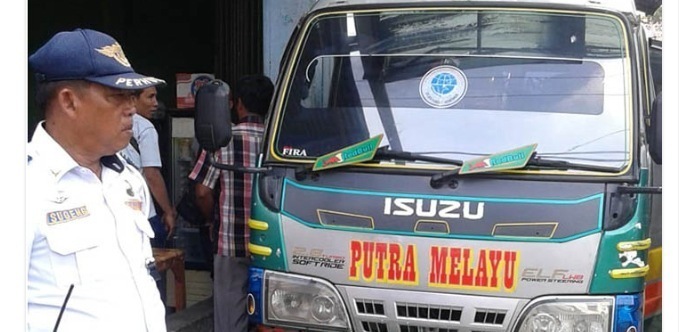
x=443, y=86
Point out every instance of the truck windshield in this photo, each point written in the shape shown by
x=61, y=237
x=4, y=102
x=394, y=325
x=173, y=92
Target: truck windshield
x=461, y=83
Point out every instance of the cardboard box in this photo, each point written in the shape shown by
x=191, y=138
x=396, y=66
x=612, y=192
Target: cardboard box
x=187, y=85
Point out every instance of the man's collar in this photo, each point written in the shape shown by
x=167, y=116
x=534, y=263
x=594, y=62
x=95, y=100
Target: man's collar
x=251, y=118
x=113, y=162
x=56, y=159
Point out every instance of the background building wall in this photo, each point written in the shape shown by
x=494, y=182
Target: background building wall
x=280, y=18
x=160, y=37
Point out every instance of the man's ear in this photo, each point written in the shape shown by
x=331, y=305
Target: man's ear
x=239, y=104
x=68, y=101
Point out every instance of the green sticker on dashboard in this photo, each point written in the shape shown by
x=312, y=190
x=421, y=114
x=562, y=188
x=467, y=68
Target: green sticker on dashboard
x=511, y=159
x=362, y=151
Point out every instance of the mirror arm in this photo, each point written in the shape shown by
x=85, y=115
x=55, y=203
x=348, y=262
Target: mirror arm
x=236, y=168
x=639, y=190
x=303, y=171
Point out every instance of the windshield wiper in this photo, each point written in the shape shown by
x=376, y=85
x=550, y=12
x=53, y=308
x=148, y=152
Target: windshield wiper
x=366, y=152
x=537, y=162
x=384, y=153
x=542, y=162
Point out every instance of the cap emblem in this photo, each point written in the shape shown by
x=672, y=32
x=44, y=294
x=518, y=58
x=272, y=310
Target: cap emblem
x=114, y=51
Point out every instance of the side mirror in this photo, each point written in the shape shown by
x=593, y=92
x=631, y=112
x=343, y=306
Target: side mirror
x=212, y=125
x=654, y=130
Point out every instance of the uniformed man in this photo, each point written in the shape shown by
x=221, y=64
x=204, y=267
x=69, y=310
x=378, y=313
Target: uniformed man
x=90, y=265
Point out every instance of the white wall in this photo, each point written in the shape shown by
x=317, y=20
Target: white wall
x=280, y=18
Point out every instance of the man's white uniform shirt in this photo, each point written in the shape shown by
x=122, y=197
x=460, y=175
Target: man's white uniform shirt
x=93, y=235
x=149, y=156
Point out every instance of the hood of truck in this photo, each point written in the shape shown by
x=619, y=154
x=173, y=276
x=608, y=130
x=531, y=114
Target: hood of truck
x=511, y=238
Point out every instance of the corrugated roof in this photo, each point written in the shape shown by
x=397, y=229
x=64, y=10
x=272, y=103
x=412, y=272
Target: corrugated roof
x=628, y=6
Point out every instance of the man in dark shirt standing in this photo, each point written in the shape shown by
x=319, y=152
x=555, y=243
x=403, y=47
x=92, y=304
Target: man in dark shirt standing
x=251, y=98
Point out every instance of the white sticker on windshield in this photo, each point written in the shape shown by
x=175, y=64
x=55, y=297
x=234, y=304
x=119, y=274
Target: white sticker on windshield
x=443, y=86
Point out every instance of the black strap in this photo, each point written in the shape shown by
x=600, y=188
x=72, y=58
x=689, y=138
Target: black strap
x=134, y=143
x=65, y=302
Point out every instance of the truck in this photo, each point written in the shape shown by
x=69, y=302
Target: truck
x=458, y=166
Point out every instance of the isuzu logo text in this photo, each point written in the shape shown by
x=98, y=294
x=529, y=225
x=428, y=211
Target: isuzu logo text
x=433, y=208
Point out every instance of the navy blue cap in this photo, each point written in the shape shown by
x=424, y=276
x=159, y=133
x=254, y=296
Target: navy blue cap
x=88, y=55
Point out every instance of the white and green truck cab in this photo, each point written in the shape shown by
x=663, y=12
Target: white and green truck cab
x=459, y=166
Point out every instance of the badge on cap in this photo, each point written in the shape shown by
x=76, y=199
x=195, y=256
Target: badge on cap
x=115, y=52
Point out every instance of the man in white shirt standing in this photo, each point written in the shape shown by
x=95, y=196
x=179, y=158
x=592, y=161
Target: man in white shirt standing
x=90, y=265
x=143, y=152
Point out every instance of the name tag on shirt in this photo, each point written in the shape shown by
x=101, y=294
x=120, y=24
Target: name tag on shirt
x=135, y=204
x=64, y=216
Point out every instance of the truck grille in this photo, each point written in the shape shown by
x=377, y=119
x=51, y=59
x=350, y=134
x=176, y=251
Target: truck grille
x=411, y=310
x=369, y=307
x=381, y=310
x=374, y=327
x=413, y=328
x=489, y=317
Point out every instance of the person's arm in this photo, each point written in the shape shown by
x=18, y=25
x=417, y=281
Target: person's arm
x=150, y=166
x=156, y=184
x=205, y=203
x=205, y=178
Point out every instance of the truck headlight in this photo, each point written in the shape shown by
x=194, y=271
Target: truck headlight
x=304, y=301
x=568, y=314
